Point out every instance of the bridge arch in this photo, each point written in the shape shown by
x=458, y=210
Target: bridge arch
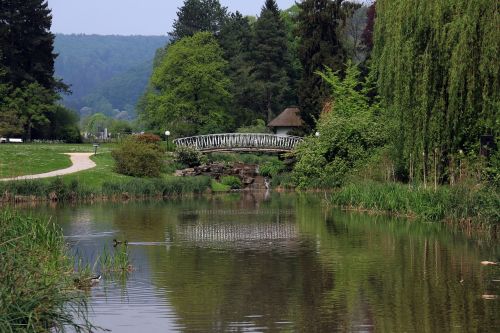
x=244, y=142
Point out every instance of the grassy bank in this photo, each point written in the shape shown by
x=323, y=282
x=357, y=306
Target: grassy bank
x=27, y=159
x=60, y=189
x=478, y=205
x=37, y=291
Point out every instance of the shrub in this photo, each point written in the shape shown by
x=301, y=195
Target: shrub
x=349, y=134
x=218, y=187
x=258, y=126
x=271, y=168
x=188, y=156
x=139, y=157
x=148, y=138
x=232, y=181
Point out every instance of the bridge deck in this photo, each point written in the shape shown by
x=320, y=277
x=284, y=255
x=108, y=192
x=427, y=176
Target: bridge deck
x=244, y=142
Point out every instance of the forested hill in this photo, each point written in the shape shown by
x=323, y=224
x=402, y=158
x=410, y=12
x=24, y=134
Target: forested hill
x=107, y=73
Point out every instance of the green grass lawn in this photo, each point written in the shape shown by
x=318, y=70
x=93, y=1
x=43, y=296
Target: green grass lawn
x=103, y=172
x=28, y=159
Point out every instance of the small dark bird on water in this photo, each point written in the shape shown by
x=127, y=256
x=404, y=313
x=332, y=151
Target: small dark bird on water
x=116, y=242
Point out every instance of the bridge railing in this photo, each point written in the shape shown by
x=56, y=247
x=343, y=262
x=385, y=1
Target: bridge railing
x=235, y=141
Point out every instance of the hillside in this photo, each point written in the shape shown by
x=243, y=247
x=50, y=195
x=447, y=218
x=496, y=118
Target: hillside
x=107, y=73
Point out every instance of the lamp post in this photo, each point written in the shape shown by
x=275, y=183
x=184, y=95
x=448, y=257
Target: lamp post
x=96, y=145
x=317, y=134
x=167, y=134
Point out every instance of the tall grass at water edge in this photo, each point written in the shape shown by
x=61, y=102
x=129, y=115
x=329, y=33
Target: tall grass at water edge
x=59, y=190
x=37, y=290
x=458, y=203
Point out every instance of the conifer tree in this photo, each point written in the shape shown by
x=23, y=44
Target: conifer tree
x=320, y=47
x=270, y=59
x=27, y=43
x=235, y=39
x=199, y=15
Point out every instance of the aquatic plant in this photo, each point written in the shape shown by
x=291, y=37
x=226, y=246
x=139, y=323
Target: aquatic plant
x=232, y=181
x=37, y=291
x=457, y=203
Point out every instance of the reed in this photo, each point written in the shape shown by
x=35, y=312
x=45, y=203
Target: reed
x=59, y=190
x=458, y=203
x=37, y=290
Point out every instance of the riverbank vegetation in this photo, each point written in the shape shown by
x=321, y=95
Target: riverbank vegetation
x=37, y=290
x=392, y=101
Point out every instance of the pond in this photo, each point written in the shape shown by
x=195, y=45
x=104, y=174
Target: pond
x=255, y=262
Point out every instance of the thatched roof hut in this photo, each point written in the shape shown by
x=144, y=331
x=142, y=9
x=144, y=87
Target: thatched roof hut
x=286, y=121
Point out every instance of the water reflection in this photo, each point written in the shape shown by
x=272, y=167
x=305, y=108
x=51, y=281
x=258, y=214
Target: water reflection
x=282, y=263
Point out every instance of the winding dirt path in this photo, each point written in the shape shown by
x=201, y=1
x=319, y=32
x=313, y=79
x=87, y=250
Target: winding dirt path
x=81, y=161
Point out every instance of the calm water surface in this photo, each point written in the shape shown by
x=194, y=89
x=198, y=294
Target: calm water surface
x=281, y=263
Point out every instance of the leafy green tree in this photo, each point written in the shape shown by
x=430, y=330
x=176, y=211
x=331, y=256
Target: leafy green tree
x=192, y=90
x=320, y=46
x=32, y=104
x=438, y=71
x=96, y=123
x=350, y=133
x=270, y=59
x=258, y=126
x=10, y=122
x=62, y=125
x=27, y=43
x=199, y=15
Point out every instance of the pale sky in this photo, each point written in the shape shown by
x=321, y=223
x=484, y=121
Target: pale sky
x=131, y=17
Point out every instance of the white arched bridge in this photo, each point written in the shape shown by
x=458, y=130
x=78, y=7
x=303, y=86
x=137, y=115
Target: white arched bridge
x=247, y=142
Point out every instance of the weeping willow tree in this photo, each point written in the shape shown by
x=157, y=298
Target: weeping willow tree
x=438, y=72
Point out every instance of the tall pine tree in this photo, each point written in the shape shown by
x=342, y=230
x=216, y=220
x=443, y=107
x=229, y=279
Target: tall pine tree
x=320, y=47
x=27, y=43
x=270, y=59
x=235, y=39
x=199, y=15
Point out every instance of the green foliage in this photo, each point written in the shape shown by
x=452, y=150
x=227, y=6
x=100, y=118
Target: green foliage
x=232, y=181
x=241, y=158
x=319, y=46
x=269, y=52
x=95, y=124
x=271, y=168
x=27, y=44
x=192, y=90
x=438, y=72
x=283, y=180
x=235, y=40
x=197, y=16
x=157, y=187
x=218, y=187
x=349, y=134
x=31, y=111
x=37, y=291
x=137, y=156
x=63, y=125
x=188, y=156
x=258, y=126
x=456, y=203
x=31, y=104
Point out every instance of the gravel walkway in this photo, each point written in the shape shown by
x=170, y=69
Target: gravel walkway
x=81, y=161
